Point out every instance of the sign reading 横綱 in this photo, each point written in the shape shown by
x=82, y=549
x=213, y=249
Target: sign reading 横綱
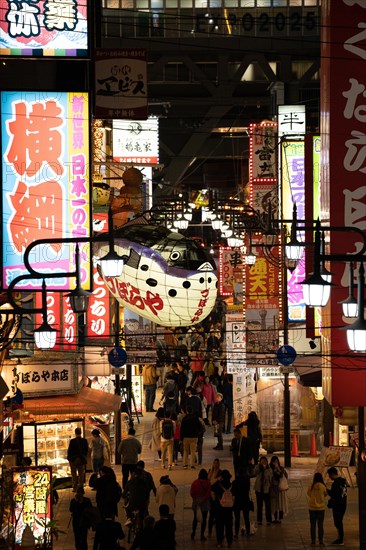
x=45, y=191
x=343, y=190
x=44, y=28
x=121, y=83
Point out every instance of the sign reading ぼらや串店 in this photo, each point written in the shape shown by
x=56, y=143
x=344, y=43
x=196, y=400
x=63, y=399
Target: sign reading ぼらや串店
x=45, y=191
x=33, y=378
x=343, y=190
x=44, y=28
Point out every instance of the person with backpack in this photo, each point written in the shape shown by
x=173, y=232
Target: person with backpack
x=170, y=404
x=338, y=502
x=223, y=499
x=167, y=426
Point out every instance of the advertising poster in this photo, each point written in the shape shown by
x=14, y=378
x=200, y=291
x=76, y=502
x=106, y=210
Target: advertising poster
x=45, y=189
x=121, y=83
x=44, y=28
x=32, y=502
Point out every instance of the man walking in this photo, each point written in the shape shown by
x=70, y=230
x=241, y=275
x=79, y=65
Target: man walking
x=149, y=379
x=338, y=497
x=129, y=449
x=77, y=454
x=218, y=421
x=189, y=432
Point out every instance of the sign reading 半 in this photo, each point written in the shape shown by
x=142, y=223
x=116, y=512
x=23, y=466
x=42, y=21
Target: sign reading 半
x=46, y=191
x=44, y=28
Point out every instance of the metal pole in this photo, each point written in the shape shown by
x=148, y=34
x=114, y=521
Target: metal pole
x=286, y=390
x=117, y=390
x=361, y=478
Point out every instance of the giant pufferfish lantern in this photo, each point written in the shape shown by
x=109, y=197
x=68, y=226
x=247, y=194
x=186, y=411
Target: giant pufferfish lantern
x=167, y=278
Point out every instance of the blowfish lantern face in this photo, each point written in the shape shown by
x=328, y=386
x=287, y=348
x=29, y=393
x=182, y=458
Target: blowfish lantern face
x=166, y=278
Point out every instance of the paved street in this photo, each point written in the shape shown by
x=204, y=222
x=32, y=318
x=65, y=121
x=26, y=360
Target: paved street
x=292, y=534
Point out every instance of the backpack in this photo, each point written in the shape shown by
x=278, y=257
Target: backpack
x=167, y=430
x=227, y=498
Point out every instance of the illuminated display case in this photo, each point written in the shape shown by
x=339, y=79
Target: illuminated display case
x=48, y=443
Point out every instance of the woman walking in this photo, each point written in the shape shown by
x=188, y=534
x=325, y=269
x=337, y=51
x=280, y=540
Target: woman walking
x=200, y=492
x=242, y=502
x=214, y=474
x=155, y=443
x=317, y=498
x=279, y=502
x=262, y=486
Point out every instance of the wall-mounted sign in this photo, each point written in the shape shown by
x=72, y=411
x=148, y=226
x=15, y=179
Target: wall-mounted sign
x=121, y=83
x=34, y=378
x=263, y=148
x=291, y=120
x=32, y=502
x=44, y=28
x=45, y=192
x=136, y=141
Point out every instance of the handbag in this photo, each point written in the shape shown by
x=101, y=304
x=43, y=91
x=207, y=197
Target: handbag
x=283, y=483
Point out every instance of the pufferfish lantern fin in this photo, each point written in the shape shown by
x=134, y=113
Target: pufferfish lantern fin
x=133, y=259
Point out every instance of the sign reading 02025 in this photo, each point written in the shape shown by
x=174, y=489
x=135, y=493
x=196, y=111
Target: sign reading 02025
x=117, y=357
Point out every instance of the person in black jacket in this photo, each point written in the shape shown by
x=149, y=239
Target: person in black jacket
x=164, y=529
x=338, y=496
x=78, y=505
x=218, y=421
x=77, y=454
x=108, y=492
x=242, y=502
x=223, y=514
x=107, y=535
x=227, y=392
x=254, y=434
x=240, y=450
x=190, y=430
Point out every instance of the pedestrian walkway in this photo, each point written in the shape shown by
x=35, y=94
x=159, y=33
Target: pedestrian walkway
x=292, y=534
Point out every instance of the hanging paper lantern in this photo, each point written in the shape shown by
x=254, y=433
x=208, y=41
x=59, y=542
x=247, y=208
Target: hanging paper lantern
x=167, y=278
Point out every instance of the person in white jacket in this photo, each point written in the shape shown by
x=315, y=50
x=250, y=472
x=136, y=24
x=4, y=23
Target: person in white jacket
x=166, y=494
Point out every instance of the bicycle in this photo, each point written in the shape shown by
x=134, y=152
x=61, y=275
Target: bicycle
x=134, y=525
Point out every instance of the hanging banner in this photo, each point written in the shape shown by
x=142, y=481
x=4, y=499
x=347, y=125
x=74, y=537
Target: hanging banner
x=45, y=190
x=293, y=192
x=44, y=28
x=121, y=83
x=343, y=190
x=137, y=141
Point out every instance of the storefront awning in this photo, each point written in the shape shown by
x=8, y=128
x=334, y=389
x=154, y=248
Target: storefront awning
x=87, y=401
x=309, y=370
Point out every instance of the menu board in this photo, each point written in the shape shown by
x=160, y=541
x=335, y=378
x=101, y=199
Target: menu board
x=340, y=457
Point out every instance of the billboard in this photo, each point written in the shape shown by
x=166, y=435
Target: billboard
x=263, y=147
x=44, y=28
x=45, y=183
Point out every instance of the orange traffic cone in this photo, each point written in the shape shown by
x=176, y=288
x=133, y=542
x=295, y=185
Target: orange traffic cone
x=330, y=439
x=313, y=451
x=294, y=449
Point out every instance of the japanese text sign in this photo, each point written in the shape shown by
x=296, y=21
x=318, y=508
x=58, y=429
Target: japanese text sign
x=46, y=191
x=136, y=141
x=32, y=501
x=263, y=147
x=230, y=271
x=293, y=192
x=343, y=190
x=35, y=378
x=291, y=119
x=121, y=84
x=44, y=28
